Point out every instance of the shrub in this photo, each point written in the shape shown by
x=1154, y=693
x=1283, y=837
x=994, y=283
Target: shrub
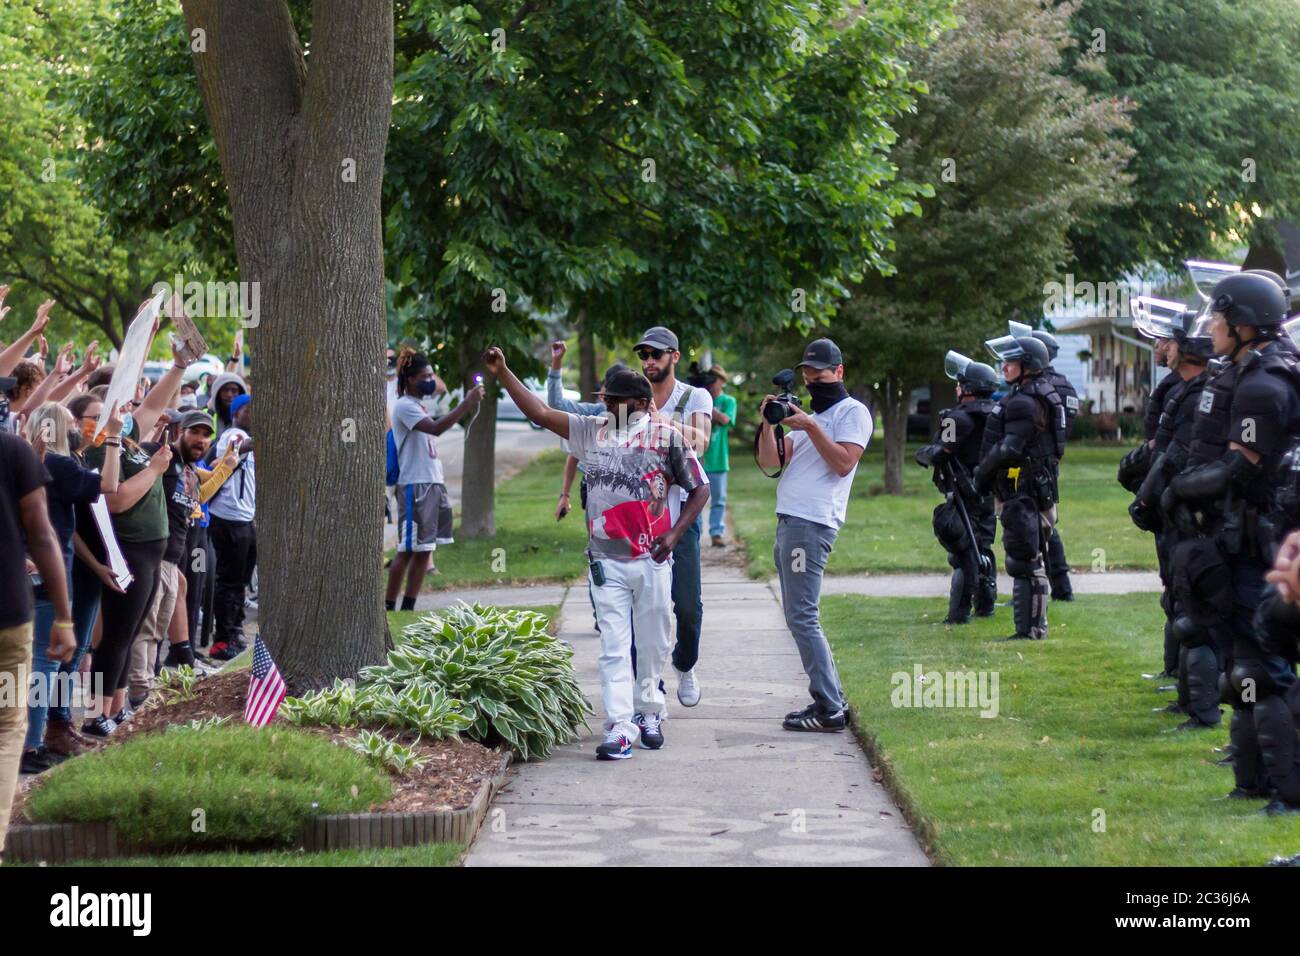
x=390, y=754
x=254, y=786
x=512, y=680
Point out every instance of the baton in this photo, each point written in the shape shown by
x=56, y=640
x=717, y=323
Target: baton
x=965, y=518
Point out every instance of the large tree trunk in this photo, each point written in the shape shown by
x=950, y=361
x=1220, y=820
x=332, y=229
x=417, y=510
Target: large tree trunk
x=302, y=152
x=588, y=378
x=478, y=516
x=893, y=413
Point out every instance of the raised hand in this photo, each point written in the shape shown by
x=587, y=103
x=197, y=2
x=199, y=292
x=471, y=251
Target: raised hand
x=495, y=360
x=113, y=427
x=160, y=460
x=42, y=316
x=63, y=363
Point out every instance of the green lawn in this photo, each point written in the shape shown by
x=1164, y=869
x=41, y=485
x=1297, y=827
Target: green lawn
x=1074, y=737
x=431, y=854
x=892, y=533
x=530, y=545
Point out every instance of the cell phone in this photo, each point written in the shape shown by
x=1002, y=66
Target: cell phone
x=478, y=379
x=597, y=573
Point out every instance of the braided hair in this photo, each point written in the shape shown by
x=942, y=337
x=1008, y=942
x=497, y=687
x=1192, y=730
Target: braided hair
x=410, y=363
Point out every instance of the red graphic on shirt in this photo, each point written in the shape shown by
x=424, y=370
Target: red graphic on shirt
x=637, y=522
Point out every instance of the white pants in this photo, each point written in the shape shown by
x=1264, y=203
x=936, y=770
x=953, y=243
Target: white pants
x=638, y=594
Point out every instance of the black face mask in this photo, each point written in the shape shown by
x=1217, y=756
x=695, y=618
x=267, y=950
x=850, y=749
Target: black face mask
x=826, y=394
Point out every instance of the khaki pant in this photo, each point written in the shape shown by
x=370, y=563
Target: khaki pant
x=15, y=667
x=153, y=632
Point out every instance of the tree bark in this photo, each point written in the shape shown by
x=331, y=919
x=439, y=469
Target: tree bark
x=588, y=378
x=893, y=413
x=303, y=157
x=478, y=481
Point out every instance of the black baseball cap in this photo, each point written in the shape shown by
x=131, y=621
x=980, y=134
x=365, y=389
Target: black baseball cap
x=625, y=383
x=823, y=353
x=197, y=419
x=659, y=337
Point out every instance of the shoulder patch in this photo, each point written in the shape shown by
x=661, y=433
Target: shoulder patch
x=1207, y=402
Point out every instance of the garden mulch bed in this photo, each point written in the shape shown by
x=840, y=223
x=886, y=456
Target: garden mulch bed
x=456, y=769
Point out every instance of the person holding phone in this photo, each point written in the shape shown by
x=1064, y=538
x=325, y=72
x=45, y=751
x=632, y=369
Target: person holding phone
x=424, y=517
x=635, y=463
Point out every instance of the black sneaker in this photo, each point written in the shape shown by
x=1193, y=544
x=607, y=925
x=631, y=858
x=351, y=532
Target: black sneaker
x=1278, y=807
x=38, y=761
x=813, y=721
x=617, y=746
x=100, y=727
x=957, y=620
x=123, y=715
x=652, y=735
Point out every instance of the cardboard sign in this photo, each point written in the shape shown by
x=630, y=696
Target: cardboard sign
x=130, y=361
x=116, y=560
x=189, y=343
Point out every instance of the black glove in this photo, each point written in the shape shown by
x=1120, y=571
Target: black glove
x=1144, y=516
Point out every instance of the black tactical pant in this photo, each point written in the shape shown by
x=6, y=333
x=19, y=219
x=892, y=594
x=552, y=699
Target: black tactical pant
x=973, y=582
x=1165, y=541
x=1025, y=529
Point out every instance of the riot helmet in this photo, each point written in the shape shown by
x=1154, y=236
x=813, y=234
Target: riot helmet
x=975, y=377
x=1025, y=349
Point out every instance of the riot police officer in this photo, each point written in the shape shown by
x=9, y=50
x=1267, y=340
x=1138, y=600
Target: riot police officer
x=1024, y=438
x=1058, y=568
x=1190, y=652
x=1276, y=639
x=1248, y=412
x=964, y=523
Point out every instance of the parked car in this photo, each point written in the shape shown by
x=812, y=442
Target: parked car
x=507, y=410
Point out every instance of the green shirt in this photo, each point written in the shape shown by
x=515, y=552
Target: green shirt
x=146, y=520
x=717, y=458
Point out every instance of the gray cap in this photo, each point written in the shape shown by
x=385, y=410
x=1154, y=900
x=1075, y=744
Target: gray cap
x=659, y=337
x=197, y=419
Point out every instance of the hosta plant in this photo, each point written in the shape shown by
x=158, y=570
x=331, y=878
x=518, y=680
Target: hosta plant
x=514, y=681
x=396, y=757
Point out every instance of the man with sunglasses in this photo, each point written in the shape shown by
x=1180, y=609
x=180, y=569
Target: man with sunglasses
x=689, y=411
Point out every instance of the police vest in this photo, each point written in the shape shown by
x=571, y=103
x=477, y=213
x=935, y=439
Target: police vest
x=1179, y=411
x=1049, y=443
x=976, y=413
x=1069, y=397
x=1210, y=432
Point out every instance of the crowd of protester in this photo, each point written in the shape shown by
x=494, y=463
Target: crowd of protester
x=173, y=469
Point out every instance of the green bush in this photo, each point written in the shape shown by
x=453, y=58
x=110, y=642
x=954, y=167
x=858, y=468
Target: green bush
x=511, y=679
x=421, y=707
x=254, y=786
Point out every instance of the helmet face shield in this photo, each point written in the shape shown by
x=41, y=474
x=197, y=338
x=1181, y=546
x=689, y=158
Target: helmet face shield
x=1206, y=275
x=1005, y=348
x=1018, y=328
x=1156, y=318
x=954, y=364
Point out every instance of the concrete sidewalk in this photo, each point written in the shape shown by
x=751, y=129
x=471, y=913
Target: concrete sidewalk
x=729, y=788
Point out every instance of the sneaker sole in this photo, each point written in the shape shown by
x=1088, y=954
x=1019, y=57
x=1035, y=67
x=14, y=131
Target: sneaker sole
x=620, y=756
x=682, y=700
x=813, y=730
x=646, y=746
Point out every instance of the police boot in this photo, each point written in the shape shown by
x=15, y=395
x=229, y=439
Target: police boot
x=1028, y=599
x=959, y=597
x=1276, y=732
x=1202, y=669
x=1247, y=767
x=986, y=596
x=1059, y=569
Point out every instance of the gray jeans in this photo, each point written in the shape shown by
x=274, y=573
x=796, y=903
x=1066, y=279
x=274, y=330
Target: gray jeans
x=800, y=553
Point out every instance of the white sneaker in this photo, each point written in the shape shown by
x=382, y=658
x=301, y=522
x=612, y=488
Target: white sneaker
x=688, y=688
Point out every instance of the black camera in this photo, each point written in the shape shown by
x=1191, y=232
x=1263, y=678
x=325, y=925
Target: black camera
x=783, y=406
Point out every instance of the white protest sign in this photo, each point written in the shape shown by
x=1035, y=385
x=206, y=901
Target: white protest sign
x=130, y=360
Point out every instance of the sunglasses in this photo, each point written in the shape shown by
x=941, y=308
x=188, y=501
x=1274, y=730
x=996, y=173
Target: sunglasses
x=656, y=354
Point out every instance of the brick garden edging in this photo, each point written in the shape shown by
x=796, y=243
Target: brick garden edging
x=66, y=842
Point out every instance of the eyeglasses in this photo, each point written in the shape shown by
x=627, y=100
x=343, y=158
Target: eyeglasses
x=656, y=354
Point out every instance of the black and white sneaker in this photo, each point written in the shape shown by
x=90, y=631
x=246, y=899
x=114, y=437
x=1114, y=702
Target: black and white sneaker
x=652, y=734
x=617, y=746
x=100, y=727
x=811, y=720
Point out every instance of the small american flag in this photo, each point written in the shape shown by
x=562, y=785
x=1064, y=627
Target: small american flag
x=265, y=687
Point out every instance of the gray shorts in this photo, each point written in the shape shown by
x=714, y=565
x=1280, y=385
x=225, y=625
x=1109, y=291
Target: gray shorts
x=424, y=518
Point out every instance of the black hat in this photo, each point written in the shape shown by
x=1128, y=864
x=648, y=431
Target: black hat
x=625, y=383
x=659, y=337
x=616, y=367
x=823, y=353
x=197, y=419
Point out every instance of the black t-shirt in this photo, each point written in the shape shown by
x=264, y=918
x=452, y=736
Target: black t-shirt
x=181, y=490
x=70, y=485
x=21, y=473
